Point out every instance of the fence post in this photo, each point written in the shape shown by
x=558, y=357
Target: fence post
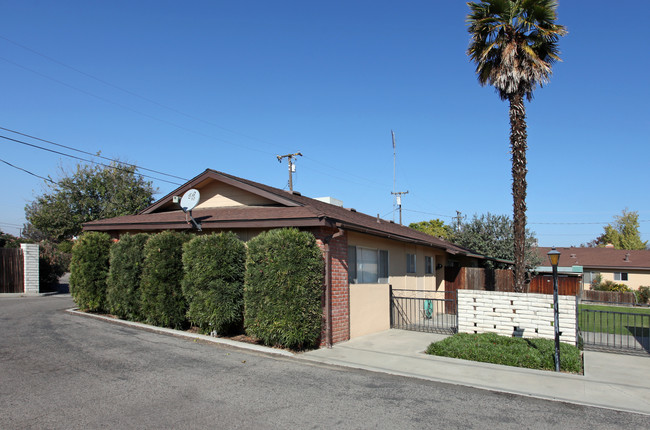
x=30, y=265
x=390, y=304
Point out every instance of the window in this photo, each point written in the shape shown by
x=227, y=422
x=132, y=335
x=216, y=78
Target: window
x=589, y=277
x=367, y=265
x=410, y=263
x=620, y=276
x=428, y=265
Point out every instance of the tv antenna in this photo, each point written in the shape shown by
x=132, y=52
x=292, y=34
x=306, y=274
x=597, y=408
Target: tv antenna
x=397, y=194
x=188, y=202
x=292, y=166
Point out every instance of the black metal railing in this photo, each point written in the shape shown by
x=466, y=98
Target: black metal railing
x=614, y=330
x=426, y=311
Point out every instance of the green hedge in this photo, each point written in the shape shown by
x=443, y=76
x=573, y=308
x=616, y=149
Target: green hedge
x=213, y=282
x=89, y=270
x=283, y=288
x=510, y=351
x=163, y=303
x=124, y=277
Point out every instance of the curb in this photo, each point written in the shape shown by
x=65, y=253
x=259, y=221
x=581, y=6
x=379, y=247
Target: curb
x=178, y=333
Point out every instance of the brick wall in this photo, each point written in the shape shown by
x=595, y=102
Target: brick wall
x=520, y=314
x=340, y=287
x=30, y=264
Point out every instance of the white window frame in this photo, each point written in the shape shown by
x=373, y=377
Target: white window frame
x=621, y=276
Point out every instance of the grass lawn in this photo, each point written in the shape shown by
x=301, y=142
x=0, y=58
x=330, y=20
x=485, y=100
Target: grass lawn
x=509, y=351
x=615, y=320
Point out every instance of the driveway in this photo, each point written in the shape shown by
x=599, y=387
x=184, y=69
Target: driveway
x=60, y=370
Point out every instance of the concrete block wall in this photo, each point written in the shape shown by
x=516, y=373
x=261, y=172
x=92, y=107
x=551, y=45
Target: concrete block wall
x=30, y=267
x=516, y=314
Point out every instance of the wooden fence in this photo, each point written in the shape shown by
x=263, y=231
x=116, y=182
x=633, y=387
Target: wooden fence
x=476, y=278
x=608, y=296
x=11, y=270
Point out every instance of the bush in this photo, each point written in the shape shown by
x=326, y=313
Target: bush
x=89, y=270
x=162, y=299
x=213, y=282
x=283, y=288
x=642, y=295
x=52, y=263
x=510, y=351
x=611, y=286
x=124, y=276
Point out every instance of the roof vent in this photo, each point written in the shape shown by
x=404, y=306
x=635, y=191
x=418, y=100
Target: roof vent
x=330, y=200
x=609, y=246
x=296, y=193
x=351, y=209
x=627, y=256
x=391, y=221
x=573, y=256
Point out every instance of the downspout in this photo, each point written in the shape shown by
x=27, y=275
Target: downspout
x=328, y=286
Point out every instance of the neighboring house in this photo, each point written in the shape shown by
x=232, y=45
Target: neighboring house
x=363, y=254
x=628, y=267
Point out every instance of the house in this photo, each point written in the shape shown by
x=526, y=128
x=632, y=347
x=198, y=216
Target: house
x=364, y=254
x=628, y=267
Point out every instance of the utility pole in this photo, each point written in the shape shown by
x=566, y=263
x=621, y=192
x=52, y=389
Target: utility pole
x=292, y=167
x=398, y=197
x=458, y=220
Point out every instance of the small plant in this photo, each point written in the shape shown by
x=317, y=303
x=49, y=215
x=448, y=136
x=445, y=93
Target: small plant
x=612, y=286
x=213, y=283
x=89, y=270
x=510, y=351
x=283, y=288
x=124, y=276
x=163, y=303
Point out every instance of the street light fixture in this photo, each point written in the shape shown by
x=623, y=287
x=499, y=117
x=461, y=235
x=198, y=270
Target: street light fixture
x=554, y=257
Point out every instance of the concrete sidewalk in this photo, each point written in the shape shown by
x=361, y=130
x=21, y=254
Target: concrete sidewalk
x=615, y=381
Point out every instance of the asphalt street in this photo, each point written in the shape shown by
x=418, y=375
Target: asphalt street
x=59, y=370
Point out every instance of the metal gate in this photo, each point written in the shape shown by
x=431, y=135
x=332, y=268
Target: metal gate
x=617, y=331
x=11, y=270
x=422, y=310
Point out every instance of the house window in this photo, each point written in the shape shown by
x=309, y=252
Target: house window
x=620, y=276
x=410, y=263
x=428, y=265
x=367, y=265
x=589, y=277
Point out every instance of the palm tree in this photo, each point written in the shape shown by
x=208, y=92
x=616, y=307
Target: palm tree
x=514, y=43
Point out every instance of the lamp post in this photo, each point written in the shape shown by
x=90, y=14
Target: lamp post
x=554, y=257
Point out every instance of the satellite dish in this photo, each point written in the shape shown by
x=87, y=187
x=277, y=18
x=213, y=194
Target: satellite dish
x=190, y=199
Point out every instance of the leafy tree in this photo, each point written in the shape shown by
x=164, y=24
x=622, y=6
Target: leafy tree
x=90, y=192
x=623, y=233
x=434, y=227
x=514, y=43
x=492, y=235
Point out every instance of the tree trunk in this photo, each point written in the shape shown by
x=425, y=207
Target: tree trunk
x=518, y=148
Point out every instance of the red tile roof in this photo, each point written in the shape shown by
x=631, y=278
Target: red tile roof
x=600, y=258
x=292, y=209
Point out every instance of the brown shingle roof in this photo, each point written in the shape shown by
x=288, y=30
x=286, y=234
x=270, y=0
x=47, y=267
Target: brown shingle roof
x=600, y=258
x=292, y=210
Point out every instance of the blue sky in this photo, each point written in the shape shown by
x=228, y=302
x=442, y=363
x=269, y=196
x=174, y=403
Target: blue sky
x=184, y=86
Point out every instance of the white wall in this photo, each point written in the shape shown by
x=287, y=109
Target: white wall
x=519, y=314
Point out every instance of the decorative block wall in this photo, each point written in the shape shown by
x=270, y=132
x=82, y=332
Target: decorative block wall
x=516, y=314
x=30, y=267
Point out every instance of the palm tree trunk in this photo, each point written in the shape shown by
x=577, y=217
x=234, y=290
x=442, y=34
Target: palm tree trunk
x=518, y=146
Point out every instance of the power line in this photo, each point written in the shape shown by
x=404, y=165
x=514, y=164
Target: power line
x=91, y=154
x=27, y=171
x=83, y=159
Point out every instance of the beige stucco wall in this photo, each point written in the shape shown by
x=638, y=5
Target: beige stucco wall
x=397, y=251
x=369, y=309
x=218, y=194
x=635, y=278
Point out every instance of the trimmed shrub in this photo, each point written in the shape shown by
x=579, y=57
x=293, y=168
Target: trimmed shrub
x=509, y=351
x=612, y=286
x=124, y=276
x=89, y=270
x=213, y=282
x=162, y=299
x=283, y=288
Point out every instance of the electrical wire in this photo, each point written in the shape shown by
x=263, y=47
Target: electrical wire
x=84, y=159
x=27, y=171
